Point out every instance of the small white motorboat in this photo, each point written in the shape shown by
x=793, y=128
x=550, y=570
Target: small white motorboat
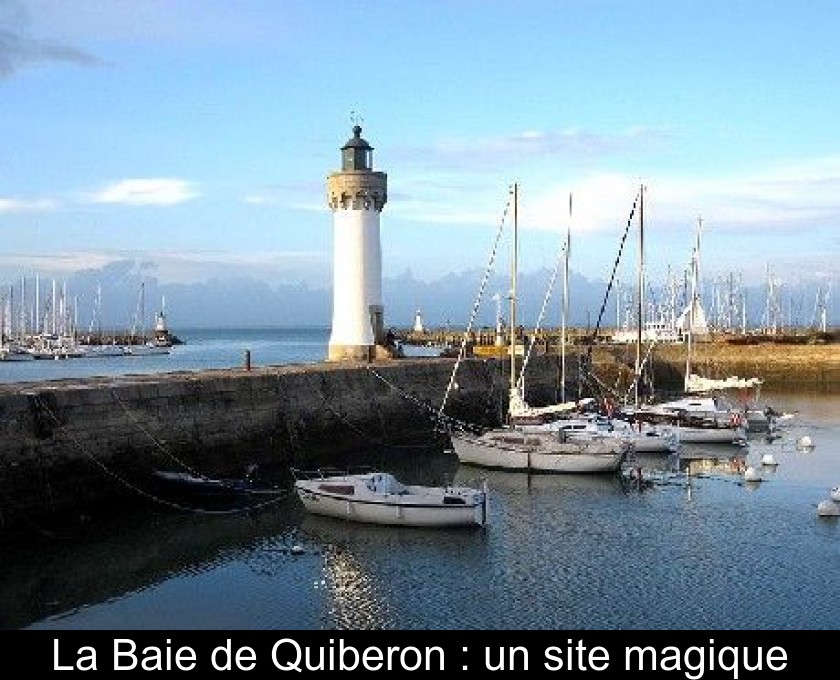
x=828, y=509
x=379, y=498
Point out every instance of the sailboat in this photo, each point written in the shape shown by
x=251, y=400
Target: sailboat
x=697, y=419
x=511, y=448
x=576, y=418
x=145, y=347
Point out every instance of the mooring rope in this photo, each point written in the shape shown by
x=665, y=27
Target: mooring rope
x=436, y=416
x=171, y=504
x=152, y=438
x=476, y=303
x=380, y=441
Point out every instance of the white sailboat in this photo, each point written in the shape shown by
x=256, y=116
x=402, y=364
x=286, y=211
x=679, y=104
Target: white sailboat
x=509, y=448
x=145, y=347
x=575, y=419
x=695, y=419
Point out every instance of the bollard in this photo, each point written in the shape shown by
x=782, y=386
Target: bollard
x=247, y=359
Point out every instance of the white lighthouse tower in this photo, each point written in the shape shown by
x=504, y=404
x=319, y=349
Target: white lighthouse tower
x=356, y=194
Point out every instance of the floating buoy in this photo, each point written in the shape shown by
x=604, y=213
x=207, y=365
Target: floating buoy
x=828, y=509
x=751, y=475
x=805, y=442
x=768, y=459
x=835, y=494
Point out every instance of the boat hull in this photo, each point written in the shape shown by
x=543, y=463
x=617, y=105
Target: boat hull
x=712, y=435
x=572, y=457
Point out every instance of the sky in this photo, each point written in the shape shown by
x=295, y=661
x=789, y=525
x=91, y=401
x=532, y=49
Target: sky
x=197, y=135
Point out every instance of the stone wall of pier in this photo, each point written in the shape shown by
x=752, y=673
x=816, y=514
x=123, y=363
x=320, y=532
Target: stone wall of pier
x=68, y=444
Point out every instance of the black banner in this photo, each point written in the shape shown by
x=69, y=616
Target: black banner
x=680, y=654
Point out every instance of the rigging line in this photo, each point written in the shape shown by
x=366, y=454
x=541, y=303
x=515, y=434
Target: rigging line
x=638, y=375
x=612, y=276
x=521, y=379
x=40, y=402
x=479, y=295
x=290, y=433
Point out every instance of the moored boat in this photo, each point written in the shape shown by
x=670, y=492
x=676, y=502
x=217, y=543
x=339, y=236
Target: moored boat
x=549, y=452
x=380, y=498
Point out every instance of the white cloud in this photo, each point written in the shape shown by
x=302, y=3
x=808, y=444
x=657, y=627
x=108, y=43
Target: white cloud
x=14, y=205
x=160, y=191
x=275, y=267
x=314, y=268
x=257, y=199
x=785, y=196
x=53, y=264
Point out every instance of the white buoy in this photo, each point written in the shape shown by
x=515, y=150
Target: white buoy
x=751, y=475
x=768, y=459
x=835, y=494
x=828, y=509
x=805, y=442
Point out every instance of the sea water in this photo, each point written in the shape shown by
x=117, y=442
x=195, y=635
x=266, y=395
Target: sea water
x=695, y=547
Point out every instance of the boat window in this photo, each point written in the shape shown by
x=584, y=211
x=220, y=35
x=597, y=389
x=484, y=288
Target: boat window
x=343, y=489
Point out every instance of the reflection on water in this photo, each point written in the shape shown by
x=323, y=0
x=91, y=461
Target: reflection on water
x=353, y=597
x=693, y=547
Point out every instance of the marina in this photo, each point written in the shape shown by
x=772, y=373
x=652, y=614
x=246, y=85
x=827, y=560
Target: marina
x=697, y=548
x=558, y=551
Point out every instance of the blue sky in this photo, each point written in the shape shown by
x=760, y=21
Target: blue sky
x=198, y=134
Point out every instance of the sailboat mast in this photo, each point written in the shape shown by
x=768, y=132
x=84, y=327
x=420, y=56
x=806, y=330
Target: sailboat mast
x=640, y=295
x=565, y=305
x=695, y=266
x=513, y=276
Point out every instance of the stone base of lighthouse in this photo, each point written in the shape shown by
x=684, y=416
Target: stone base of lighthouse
x=364, y=353
x=350, y=352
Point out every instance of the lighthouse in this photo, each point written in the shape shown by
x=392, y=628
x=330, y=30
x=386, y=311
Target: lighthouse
x=356, y=195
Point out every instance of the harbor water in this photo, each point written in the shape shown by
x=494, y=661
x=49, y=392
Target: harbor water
x=694, y=547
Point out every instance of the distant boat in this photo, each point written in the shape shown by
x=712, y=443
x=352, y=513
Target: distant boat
x=14, y=353
x=160, y=342
x=380, y=498
x=147, y=349
x=95, y=351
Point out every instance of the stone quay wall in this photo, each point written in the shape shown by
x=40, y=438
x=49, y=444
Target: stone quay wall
x=66, y=445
